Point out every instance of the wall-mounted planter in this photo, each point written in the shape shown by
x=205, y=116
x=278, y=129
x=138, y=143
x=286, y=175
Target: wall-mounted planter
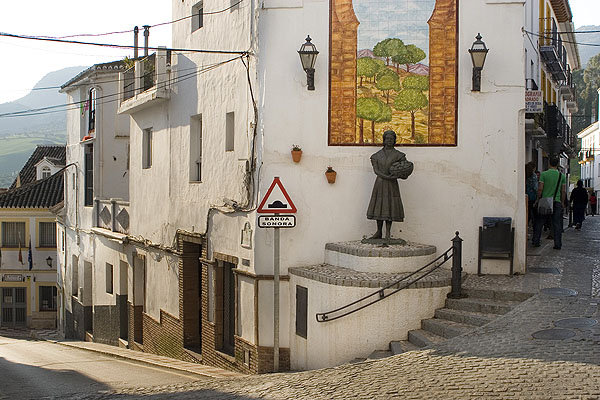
x=330, y=174
x=296, y=155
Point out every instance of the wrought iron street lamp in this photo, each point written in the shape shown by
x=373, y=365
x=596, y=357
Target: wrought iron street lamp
x=478, y=53
x=308, y=56
x=49, y=261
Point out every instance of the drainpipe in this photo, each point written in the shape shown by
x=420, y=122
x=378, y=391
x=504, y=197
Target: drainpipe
x=135, y=42
x=146, y=35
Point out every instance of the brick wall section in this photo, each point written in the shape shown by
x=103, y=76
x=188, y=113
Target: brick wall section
x=164, y=337
x=342, y=73
x=442, y=73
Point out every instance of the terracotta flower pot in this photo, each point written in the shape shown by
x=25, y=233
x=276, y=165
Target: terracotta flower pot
x=296, y=155
x=330, y=174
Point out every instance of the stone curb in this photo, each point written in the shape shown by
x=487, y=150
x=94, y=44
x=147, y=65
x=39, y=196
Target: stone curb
x=207, y=371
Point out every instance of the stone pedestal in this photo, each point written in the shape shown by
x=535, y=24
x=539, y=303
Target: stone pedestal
x=375, y=258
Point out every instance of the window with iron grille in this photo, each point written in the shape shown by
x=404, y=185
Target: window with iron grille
x=196, y=148
x=92, y=110
x=47, y=234
x=13, y=234
x=47, y=298
x=89, y=176
x=197, y=16
x=109, y=278
x=147, y=148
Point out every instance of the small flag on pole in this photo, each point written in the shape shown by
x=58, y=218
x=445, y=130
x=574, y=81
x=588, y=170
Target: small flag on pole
x=30, y=257
x=20, y=254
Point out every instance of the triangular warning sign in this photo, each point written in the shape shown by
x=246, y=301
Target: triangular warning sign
x=276, y=201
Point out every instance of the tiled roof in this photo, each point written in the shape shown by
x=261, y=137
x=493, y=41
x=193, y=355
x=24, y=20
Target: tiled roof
x=44, y=193
x=113, y=66
x=28, y=172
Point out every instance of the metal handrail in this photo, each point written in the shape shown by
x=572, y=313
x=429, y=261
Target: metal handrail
x=453, y=251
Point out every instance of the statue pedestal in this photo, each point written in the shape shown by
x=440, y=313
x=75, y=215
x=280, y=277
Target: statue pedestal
x=394, y=258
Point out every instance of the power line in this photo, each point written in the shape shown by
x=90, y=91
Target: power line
x=118, y=46
x=76, y=105
x=564, y=41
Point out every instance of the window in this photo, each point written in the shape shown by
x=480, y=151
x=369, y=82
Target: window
x=147, y=148
x=75, y=276
x=229, y=131
x=89, y=176
x=62, y=242
x=301, y=311
x=47, y=298
x=46, y=172
x=196, y=148
x=109, y=278
x=197, y=16
x=13, y=234
x=92, y=110
x=47, y=234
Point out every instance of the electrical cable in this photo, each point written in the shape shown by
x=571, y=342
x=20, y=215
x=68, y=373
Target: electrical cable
x=562, y=40
x=76, y=105
x=118, y=46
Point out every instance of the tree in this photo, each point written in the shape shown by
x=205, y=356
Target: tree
x=374, y=110
x=388, y=48
x=386, y=83
x=411, y=97
x=366, y=67
x=411, y=55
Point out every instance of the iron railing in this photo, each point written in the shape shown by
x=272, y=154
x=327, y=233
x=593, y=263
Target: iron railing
x=454, y=253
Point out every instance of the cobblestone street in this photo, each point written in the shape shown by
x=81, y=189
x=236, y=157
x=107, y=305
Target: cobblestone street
x=498, y=360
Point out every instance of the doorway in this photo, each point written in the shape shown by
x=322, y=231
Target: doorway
x=14, y=307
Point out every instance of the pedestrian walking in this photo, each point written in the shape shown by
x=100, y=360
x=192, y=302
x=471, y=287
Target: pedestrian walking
x=552, y=187
x=593, y=203
x=579, y=200
x=531, y=187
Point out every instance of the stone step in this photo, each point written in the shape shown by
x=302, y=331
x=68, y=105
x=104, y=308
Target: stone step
x=485, y=306
x=445, y=328
x=496, y=294
x=402, y=346
x=423, y=338
x=379, y=354
x=464, y=317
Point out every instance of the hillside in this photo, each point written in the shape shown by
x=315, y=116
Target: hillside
x=587, y=52
x=20, y=135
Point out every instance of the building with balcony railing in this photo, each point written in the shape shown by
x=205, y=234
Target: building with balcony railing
x=588, y=162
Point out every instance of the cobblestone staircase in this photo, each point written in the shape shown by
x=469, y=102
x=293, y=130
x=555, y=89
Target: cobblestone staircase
x=458, y=317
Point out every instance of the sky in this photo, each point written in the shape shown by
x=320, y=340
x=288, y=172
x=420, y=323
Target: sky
x=24, y=62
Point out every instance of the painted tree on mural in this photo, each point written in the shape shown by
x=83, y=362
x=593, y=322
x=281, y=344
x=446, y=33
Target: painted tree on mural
x=411, y=55
x=411, y=98
x=374, y=110
x=388, y=82
x=366, y=67
x=389, y=48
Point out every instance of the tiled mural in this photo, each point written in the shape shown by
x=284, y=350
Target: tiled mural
x=392, y=66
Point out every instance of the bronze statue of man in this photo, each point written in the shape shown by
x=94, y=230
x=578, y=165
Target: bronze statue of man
x=389, y=164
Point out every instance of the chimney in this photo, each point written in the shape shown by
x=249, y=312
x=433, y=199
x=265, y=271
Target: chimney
x=146, y=35
x=136, y=30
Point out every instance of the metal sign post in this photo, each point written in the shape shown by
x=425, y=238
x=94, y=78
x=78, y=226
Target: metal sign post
x=276, y=202
x=276, y=300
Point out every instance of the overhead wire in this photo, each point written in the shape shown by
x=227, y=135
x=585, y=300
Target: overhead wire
x=77, y=104
x=563, y=40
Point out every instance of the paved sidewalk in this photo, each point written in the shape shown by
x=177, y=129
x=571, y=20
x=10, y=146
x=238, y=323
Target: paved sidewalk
x=499, y=360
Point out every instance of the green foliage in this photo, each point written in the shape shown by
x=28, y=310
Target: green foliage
x=367, y=67
x=410, y=100
x=417, y=82
x=420, y=139
x=389, y=48
x=385, y=71
x=369, y=108
x=388, y=82
x=386, y=113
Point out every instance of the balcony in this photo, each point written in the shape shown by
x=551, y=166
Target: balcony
x=553, y=53
x=146, y=84
x=560, y=135
x=113, y=215
x=567, y=87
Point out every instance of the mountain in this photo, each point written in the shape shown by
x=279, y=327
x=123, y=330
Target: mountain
x=587, y=52
x=46, y=123
x=19, y=136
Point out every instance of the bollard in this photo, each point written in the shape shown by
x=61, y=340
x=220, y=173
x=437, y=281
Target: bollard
x=456, y=292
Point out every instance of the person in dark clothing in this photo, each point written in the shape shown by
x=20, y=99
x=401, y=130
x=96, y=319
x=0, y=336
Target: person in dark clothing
x=593, y=203
x=579, y=200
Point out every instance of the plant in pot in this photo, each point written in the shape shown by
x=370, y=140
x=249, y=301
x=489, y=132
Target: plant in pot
x=296, y=153
x=330, y=174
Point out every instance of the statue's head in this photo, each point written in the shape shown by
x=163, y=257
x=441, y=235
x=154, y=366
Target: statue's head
x=391, y=135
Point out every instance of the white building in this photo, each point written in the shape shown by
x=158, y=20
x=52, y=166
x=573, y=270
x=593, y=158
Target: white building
x=590, y=146
x=28, y=246
x=215, y=124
